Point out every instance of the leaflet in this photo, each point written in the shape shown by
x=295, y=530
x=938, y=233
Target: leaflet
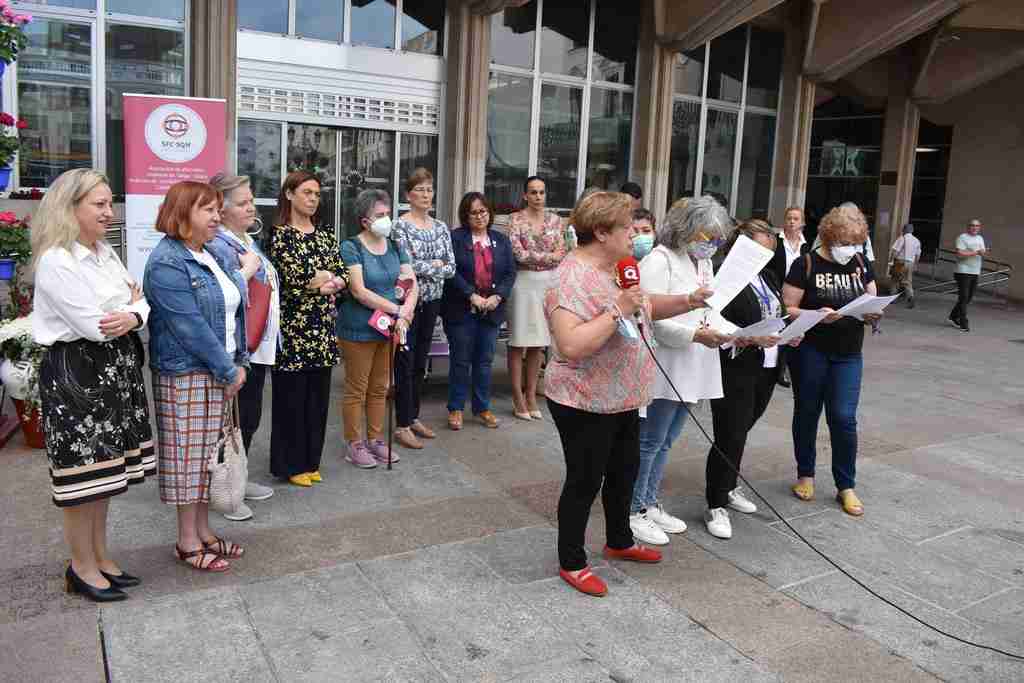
x=762, y=328
x=866, y=303
x=798, y=327
x=741, y=266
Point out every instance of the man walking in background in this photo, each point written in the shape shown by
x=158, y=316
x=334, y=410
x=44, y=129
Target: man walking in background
x=903, y=257
x=970, y=250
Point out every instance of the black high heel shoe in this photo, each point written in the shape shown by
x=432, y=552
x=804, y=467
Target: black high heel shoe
x=122, y=580
x=74, y=584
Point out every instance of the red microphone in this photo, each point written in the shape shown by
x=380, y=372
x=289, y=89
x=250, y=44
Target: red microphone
x=627, y=276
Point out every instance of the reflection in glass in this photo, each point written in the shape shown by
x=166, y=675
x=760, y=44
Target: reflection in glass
x=512, y=32
x=373, y=23
x=682, y=169
x=367, y=161
x=719, y=148
x=423, y=26
x=725, y=71
x=54, y=88
x=688, y=72
x=508, y=140
x=259, y=156
x=611, y=126
x=559, y=145
x=270, y=16
x=143, y=60
x=314, y=149
x=320, y=19
x=163, y=9
x=765, y=67
x=563, y=40
x=756, y=158
x=417, y=151
x=76, y=4
x=616, y=38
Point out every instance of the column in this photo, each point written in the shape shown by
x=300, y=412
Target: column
x=899, y=145
x=213, y=71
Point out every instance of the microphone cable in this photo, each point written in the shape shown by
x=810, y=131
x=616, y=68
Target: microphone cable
x=810, y=545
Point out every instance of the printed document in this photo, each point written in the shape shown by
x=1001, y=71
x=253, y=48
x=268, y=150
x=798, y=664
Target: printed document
x=741, y=266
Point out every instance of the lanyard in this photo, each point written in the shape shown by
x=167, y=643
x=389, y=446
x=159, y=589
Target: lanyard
x=765, y=296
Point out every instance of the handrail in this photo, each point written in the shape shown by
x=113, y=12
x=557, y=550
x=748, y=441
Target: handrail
x=993, y=273
x=116, y=237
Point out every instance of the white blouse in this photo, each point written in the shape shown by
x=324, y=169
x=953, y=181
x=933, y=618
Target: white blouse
x=232, y=298
x=75, y=289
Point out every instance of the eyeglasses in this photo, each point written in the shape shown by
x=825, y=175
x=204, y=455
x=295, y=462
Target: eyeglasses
x=479, y=213
x=425, y=189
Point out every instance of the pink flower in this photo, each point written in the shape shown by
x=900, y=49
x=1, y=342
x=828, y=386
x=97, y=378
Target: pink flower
x=8, y=217
x=6, y=119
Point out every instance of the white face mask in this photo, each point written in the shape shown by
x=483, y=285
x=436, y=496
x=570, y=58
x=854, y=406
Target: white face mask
x=381, y=227
x=842, y=255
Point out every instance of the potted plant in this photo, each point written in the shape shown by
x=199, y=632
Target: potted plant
x=9, y=144
x=15, y=244
x=12, y=34
x=20, y=375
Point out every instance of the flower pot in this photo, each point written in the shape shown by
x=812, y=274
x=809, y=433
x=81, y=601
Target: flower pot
x=5, y=177
x=7, y=268
x=31, y=425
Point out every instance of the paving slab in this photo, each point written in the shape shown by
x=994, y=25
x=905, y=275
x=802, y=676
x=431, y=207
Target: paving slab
x=985, y=549
x=1003, y=613
x=55, y=647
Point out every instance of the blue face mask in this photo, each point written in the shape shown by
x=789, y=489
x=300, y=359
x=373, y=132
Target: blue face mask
x=642, y=245
x=702, y=250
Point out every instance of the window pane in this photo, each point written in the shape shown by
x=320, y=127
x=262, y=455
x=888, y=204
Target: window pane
x=263, y=15
x=320, y=19
x=563, y=41
x=162, y=9
x=55, y=102
x=143, y=60
x=616, y=38
x=725, y=72
x=423, y=26
x=367, y=162
x=512, y=32
x=259, y=156
x=719, y=147
x=76, y=4
x=314, y=149
x=682, y=169
x=755, y=187
x=765, y=67
x=559, y=149
x=508, y=139
x=373, y=23
x=688, y=72
x=417, y=151
x=611, y=127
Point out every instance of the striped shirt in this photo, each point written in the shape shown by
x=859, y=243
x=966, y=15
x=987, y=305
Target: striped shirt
x=424, y=248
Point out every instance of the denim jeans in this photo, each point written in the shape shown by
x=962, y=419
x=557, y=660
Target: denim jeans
x=664, y=423
x=831, y=381
x=471, y=344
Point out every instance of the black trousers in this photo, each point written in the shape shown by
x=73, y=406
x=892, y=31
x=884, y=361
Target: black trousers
x=965, y=284
x=250, y=402
x=602, y=452
x=411, y=364
x=300, y=401
x=746, y=394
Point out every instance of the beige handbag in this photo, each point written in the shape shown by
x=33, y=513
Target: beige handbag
x=230, y=469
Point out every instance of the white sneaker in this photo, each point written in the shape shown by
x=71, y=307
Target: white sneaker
x=717, y=521
x=667, y=523
x=254, y=491
x=241, y=514
x=740, y=503
x=646, y=531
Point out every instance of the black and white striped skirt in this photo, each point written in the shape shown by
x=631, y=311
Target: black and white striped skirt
x=96, y=418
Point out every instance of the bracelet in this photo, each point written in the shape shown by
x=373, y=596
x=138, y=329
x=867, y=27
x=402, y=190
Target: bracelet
x=138, y=320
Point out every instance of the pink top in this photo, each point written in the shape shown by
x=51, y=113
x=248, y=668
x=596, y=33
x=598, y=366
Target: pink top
x=618, y=376
x=536, y=248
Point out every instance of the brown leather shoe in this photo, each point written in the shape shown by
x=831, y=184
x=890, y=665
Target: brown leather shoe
x=455, y=420
x=488, y=419
x=420, y=429
x=406, y=438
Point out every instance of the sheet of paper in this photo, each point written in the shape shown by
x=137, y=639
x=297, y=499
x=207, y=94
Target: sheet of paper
x=806, y=321
x=744, y=262
x=762, y=328
x=866, y=303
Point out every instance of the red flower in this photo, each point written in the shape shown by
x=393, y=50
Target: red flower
x=8, y=217
x=22, y=124
x=6, y=119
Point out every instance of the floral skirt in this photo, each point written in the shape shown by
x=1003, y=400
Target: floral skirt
x=96, y=418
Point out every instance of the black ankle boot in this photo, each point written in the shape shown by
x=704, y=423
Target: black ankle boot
x=74, y=584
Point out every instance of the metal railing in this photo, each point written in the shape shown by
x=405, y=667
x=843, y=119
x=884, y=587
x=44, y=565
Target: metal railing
x=993, y=275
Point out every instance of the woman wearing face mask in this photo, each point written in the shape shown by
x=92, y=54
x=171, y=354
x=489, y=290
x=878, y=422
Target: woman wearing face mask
x=375, y=263
x=688, y=348
x=305, y=255
x=643, y=225
x=538, y=244
x=829, y=361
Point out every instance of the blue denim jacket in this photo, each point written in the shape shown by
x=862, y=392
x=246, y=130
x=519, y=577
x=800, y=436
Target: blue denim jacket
x=186, y=324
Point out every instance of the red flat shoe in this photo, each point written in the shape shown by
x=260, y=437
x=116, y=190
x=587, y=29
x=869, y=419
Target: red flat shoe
x=637, y=553
x=585, y=582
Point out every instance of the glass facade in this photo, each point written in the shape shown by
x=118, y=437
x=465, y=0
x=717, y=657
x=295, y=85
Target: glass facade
x=423, y=26
x=724, y=118
x=508, y=139
x=319, y=19
x=270, y=16
x=928, y=201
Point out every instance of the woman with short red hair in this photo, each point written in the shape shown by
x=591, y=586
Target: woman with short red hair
x=198, y=355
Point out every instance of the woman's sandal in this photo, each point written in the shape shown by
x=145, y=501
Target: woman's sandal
x=224, y=548
x=850, y=502
x=215, y=564
x=804, y=490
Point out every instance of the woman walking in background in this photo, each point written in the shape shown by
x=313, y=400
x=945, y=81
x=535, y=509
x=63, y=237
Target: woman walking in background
x=429, y=246
x=538, y=245
x=305, y=255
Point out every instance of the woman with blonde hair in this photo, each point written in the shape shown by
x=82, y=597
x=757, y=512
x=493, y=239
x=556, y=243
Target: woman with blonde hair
x=829, y=362
x=94, y=408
